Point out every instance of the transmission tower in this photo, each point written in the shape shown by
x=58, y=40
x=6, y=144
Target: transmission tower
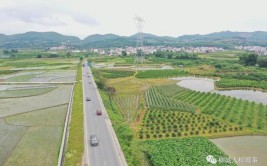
x=139, y=55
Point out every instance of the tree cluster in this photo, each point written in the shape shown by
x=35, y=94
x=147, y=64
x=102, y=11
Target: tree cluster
x=251, y=59
x=176, y=55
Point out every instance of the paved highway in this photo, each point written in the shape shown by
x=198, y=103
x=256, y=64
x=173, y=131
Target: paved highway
x=108, y=152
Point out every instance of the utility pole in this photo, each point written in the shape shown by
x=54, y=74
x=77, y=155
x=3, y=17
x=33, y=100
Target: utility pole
x=139, y=55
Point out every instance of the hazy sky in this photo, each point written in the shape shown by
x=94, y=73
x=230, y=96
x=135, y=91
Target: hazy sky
x=162, y=17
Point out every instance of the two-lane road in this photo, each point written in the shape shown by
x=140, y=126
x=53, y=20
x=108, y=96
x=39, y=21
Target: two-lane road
x=108, y=152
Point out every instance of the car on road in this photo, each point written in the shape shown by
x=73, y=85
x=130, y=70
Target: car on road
x=90, y=82
x=88, y=76
x=93, y=140
x=88, y=99
x=98, y=112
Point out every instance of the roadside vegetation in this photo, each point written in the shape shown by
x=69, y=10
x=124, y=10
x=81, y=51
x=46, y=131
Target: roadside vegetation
x=75, y=145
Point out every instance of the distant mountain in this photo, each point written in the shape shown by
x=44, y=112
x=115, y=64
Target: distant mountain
x=98, y=37
x=36, y=40
x=225, y=39
x=257, y=36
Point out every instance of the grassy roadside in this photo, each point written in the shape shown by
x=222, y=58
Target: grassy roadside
x=130, y=147
x=75, y=146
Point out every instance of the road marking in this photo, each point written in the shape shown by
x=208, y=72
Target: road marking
x=98, y=130
x=101, y=146
x=105, y=163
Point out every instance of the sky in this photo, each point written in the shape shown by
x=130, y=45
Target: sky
x=162, y=17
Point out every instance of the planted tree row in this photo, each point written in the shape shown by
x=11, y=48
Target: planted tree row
x=154, y=99
x=237, y=111
x=230, y=83
x=160, y=73
x=159, y=123
x=116, y=73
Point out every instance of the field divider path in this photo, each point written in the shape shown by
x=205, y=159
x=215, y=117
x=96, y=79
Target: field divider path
x=66, y=130
x=109, y=125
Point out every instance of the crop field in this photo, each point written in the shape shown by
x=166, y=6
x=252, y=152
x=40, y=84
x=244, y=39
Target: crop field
x=160, y=73
x=204, y=114
x=185, y=151
x=237, y=111
x=32, y=116
x=35, y=62
x=43, y=117
x=11, y=106
x=38, y=146
x=238, y=83
x=155, y=99
x=4, y=72
x=32, y=133
x=21, y=78
x=41, y=76
x=25, y=92
x=158, y=123
x=232, y=110
x=10, y=136
x=116, y=73
x=128, y=106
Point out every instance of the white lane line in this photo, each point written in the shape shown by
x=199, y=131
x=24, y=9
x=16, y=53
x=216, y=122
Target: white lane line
x=105, y=163
x=98, y=130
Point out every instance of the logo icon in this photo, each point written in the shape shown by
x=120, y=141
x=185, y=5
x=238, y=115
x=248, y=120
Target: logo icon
x=211, y=159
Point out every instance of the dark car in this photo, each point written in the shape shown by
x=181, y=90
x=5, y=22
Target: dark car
x=98, y=112
x=93, y=140
x=88, y=99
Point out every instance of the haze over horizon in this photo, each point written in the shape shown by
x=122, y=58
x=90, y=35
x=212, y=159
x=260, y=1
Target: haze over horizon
x=169, y=18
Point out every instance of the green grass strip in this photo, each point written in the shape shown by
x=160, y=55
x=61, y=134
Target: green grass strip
x=75, y=146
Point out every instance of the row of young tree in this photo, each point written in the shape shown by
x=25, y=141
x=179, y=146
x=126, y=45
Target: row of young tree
x=10, y=51
x=252, y=59
x=175, y=55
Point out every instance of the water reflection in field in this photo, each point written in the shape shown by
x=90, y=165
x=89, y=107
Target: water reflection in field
x=207, y=85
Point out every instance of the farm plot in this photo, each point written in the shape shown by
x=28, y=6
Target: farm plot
x=19, y=75
x=160, y=73
x=44, y=117
x=155, y=99
x=31, y=127
x=185, y=151
x=59, y=96
x=38, y=146
x=237, y=83
x=57, y=76
x=21, y=78
x=237, y=111
x=41, y=76
x=10, y=135
x=116, y=73
x=128, y=106
x=167, y=123
x=25, y=92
